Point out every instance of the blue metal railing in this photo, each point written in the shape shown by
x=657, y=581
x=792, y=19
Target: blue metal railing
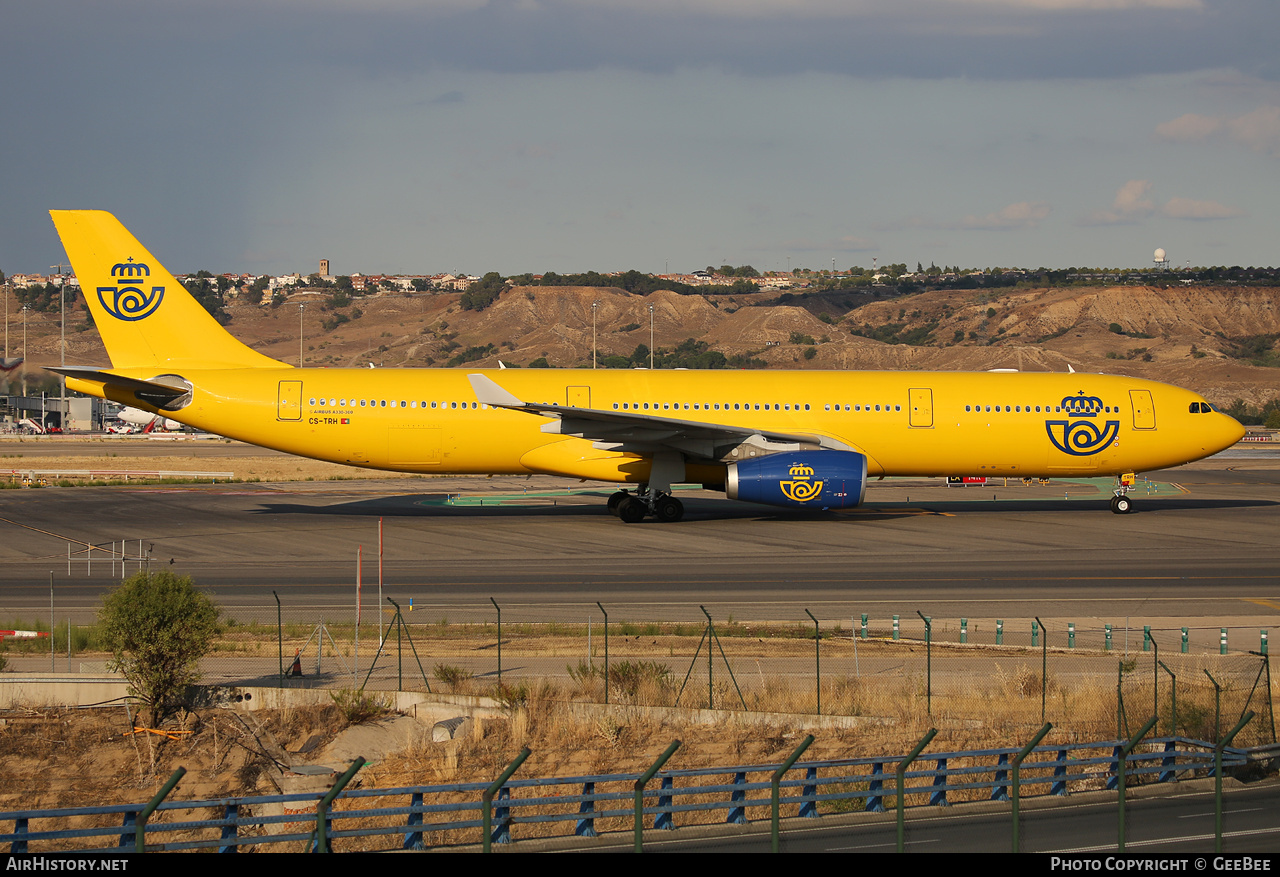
x=453, y=811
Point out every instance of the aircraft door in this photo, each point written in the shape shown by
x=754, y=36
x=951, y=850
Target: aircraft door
x=1144, y=409
x=921, y=407
x=577, y=397
x=289, y=403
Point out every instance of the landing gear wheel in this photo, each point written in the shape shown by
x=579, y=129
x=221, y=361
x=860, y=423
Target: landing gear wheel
x=1121, y=505
x=631, y=510
x=615, y=500
x=669, y=510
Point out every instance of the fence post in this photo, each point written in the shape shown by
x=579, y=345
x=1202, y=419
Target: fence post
x=641, y=781
x=964, y=631
x=1017, y=780
x=1107, y=635
x=486, y=800
x=586, y=826
x=817, y=658
x=875, y=789
x=1120, y=770
x=938, y=798
x=664, y=819
x=322, y=809
x=809, y=807
x=999, y=632
x=230, y=827
x=902, y=779
x=776, y=780
x=1217, y=785
x=412, y=838
x=738, y=815
x=140, y=830
x=1001, y=791
x=1059, y=786
x=1222, y=641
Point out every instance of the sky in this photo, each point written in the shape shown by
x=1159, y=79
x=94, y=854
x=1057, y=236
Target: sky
x=424, y=136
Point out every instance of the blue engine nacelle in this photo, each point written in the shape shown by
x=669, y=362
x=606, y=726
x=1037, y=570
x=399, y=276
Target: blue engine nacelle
x=800, y=479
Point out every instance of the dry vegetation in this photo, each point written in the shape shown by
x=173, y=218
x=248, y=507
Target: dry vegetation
x=70, y=757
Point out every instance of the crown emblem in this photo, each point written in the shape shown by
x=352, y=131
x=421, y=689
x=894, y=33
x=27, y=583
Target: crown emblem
x=1082, y=405
x=801, y=488
x=130, y=269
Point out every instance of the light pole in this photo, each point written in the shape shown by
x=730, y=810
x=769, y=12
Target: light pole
x=62, y=349
x=301, y=305
x=650, y=337
x=24, y=351
x=594, y=306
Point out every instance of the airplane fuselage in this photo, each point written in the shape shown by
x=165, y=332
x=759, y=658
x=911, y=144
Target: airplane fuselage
x=906, y=423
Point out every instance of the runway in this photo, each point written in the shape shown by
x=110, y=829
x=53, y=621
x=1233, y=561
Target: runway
x=1202, y=546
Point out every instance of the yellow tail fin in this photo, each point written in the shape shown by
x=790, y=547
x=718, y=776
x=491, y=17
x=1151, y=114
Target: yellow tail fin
x=146, y=318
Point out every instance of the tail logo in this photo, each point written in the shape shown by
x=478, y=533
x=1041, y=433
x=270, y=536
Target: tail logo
x=1082, y=438
x=802, y=488
x=129, y=301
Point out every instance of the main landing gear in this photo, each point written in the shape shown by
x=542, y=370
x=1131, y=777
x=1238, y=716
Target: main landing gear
x=1120, y=503
x=633, y=508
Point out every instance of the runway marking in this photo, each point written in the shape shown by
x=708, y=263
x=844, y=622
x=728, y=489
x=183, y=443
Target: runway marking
x=1269, y=604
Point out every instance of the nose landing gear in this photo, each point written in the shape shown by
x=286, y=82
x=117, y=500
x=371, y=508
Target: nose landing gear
x=1120, y=503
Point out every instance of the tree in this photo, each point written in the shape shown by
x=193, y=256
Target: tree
x=158, y=627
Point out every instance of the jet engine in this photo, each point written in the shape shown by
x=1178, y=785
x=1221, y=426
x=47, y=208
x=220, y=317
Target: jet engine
x=800, y=479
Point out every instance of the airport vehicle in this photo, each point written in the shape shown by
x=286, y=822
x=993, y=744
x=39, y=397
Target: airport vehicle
x=801, y=439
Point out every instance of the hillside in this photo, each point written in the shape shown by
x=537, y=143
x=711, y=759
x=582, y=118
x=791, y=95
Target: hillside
x=1180, y=335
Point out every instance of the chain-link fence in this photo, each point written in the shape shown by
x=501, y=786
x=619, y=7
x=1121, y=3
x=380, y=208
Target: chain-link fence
x=1100, y=680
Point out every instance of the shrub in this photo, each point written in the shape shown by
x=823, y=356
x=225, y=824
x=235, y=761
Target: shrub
x=157, y=627
x=357, y=707
x=456, y=678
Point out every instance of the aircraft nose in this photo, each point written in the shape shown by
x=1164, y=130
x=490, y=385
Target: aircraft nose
x=1231, y=431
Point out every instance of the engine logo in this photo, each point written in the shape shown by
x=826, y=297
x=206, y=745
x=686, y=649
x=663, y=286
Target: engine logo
x=802, y=487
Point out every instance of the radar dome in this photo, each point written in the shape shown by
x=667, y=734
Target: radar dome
x=1160, y=254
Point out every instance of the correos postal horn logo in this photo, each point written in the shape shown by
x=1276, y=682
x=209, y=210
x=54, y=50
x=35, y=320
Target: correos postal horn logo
x=802, y=487
x=128, y=301
x=1083, y=437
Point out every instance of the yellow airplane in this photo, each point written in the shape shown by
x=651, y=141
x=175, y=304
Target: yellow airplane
x=803, y=439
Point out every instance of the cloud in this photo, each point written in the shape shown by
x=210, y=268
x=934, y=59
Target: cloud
x=1258, y=131
x=1130, y=205
x=1189, y=128
x=1023, y=214
x=1185, y=208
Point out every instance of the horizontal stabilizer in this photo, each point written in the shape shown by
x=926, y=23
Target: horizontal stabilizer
x=154, y=392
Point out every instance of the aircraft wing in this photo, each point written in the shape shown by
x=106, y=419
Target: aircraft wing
x=644, y=433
